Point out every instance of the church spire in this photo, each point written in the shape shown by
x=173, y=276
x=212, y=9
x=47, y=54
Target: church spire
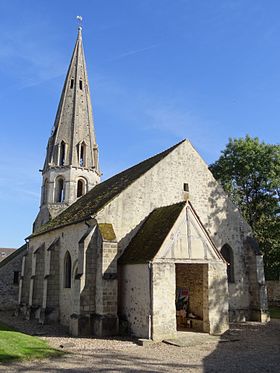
x=74, y=122
x=71, y=166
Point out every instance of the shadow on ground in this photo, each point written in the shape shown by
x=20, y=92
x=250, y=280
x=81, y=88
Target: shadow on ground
x=250, y=347
x=254, y=347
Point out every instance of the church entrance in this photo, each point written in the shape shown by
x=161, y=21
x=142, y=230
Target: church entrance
x=192, y=297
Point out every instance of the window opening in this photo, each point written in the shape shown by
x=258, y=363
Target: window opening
x=80, y=188
x=59, y=190
x=72, y=83
x=16, y=278
x=227, y=253
x=186, y=187
x=81, y=84
x=62, y=154
x=45, y=192
x=82, y=155
x=67, y=270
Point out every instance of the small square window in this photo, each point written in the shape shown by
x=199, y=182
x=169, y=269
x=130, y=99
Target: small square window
x=186, y=187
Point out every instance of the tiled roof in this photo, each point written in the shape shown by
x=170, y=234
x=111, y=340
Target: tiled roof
x=4, y=252
x=102, y=194
x=146, y=243
x=13, y=254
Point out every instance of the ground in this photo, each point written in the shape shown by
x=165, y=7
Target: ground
x=250, y=347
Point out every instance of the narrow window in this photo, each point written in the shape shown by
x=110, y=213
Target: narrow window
x=82, y=155
x=72, y=83
x=16, y=278
x=59, y=190
x=227, y=253
x=80, y=188
x=78, y=151
x=62, y=154
x=81, y=84
x=45, y=192
x=67, y=270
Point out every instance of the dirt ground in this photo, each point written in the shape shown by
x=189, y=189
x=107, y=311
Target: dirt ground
x=250, y=347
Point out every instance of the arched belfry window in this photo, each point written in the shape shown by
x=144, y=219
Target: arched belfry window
x=67, y=270
x=59, y=189
x=81, y=187
x=62, y=153
x=227, y=253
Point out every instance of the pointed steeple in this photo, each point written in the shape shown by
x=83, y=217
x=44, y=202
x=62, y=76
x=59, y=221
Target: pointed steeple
x=71, y=166
x=74, y=122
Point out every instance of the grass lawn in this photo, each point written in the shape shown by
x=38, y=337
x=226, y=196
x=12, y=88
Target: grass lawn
x=274, y=312
x=15, y=345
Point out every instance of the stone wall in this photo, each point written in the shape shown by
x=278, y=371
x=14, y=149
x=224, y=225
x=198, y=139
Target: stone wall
x=163, y=302
x=135, y=298
x=9, y=290
x=220, y=217
x=218, y=298
x=273, y=290
x=45, y=275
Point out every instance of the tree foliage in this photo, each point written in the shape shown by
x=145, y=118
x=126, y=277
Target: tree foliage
x=249, y=171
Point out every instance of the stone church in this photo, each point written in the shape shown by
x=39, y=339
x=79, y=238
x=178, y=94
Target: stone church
x=154, y=249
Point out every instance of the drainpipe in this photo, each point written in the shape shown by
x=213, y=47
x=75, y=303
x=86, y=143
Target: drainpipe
x=151, y=300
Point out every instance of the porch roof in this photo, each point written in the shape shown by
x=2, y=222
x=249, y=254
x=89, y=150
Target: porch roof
x=146, y=243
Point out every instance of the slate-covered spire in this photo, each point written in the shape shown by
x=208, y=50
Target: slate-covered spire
x=72, y=141
x=71, y=166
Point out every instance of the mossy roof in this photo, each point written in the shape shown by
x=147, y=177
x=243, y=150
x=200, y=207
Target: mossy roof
x=13, y=255
x=146, y=243
x=102, y=194
x=107, y=231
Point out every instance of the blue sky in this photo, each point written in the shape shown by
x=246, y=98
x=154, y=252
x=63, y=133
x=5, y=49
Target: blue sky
x=159, y=71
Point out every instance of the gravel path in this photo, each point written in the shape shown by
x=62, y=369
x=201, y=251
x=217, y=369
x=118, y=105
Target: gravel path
x=254, y=347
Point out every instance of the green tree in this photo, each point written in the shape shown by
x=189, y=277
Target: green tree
x=249, y=171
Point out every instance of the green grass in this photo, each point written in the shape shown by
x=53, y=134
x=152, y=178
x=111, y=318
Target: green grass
x=16, y=346
x=274, y=312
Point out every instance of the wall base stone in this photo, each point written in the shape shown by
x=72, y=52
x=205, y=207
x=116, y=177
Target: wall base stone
x=238, y=315
x=81, y=325
x=105, y=325
x=259, y=315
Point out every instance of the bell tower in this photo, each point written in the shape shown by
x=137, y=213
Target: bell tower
x=71, y=166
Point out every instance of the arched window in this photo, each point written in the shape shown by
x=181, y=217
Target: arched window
x=82, y=160
x=67, y=270
x=81, y=187
x=45, y=192
x=62, y=153
x=227, y=253
x=59, y=190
